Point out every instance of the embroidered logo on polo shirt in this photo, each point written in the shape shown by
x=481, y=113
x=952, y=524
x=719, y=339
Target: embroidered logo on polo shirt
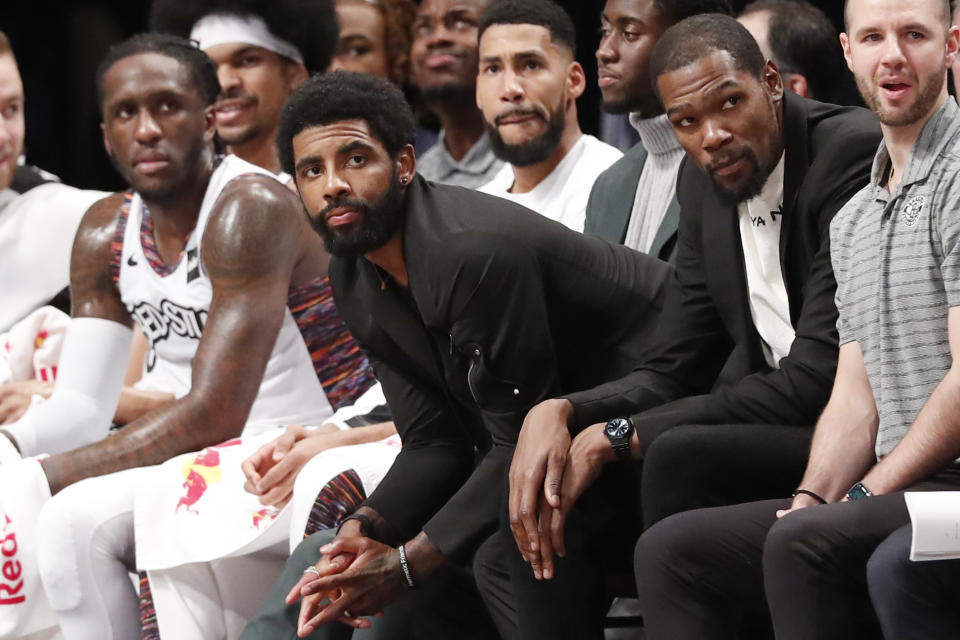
x=911, y=212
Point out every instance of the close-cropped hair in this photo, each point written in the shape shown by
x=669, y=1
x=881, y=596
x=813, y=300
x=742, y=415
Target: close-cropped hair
x=202, y=72
x=697, y=37
x=309, y=25
x=345, y=95
x=673, y=11
x=803, y=40
x=542, y=13
x=947, y=14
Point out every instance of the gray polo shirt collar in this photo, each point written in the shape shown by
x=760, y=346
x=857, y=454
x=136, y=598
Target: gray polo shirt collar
x=936, y=134
x=477, y=161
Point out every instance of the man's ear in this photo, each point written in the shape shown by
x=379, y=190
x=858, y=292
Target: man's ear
x=797, y=82
x=406, y=164
x=106, y=142
x=211, y=128
x=845, y=45
x=296, y=74
x=772, y=81
x=576, y=80
x=952, y=44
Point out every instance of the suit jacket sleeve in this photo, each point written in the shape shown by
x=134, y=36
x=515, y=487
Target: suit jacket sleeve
x=436, y=458
x=797, y=391
x=693, y=342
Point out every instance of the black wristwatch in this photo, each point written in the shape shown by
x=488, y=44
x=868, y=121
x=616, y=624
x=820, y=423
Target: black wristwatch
x=858, y=492
x=618, y=432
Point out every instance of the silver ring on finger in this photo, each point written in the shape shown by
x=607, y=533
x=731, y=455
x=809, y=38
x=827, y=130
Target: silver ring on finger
x=312, y=569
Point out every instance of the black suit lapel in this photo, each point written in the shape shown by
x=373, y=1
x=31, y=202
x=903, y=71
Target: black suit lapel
x=796, y=163
x=723, y=261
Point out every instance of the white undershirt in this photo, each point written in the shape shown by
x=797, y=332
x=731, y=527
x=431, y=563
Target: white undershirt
x=563, y=194
x=760, y=222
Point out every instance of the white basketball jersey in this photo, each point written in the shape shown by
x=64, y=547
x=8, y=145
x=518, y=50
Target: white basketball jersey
x=170, y=305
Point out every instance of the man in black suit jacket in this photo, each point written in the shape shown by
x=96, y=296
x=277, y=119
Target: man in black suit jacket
x=472, y=310
x=730, y=113
x=631, y=195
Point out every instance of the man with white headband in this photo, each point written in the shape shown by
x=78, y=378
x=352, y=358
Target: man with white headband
x=262, y=54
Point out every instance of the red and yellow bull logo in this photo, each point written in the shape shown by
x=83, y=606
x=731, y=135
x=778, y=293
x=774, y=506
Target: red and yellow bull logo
x=199, y=473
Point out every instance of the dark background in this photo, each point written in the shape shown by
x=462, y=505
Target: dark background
x=59, y=45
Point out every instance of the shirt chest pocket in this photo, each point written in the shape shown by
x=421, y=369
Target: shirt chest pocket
x=491, y=392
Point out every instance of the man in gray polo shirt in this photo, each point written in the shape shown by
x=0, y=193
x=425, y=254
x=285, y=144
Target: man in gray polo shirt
x=443, y=61
x=893, y=419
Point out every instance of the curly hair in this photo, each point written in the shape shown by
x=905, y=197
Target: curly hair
x=398, y=17
x=203, y=73
x=346, y=95
x=310, y=25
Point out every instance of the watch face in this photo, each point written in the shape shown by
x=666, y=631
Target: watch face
x=618, y=427
x=858, y=492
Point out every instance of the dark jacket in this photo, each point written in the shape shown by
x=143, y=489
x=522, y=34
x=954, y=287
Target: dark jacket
x=706, y=320
x=504, y=308
x=611, y=205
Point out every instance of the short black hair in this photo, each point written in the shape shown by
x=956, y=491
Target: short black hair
x=803, y=40
x=698, y=36
x=543, y=13
x=309, y=25
x=345, y=95
x=202, y=72
x=673, y=11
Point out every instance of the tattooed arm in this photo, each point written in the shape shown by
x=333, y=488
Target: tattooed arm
x=251, y=246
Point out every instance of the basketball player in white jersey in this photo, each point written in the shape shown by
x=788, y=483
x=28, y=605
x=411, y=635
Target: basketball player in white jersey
x=215, y=262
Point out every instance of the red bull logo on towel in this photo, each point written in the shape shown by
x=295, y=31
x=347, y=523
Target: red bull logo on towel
x=11, y=571
x=200, y=472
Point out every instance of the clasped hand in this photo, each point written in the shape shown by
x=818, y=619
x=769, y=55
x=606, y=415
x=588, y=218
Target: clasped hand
x=548, y=474
x=358, y=577
x=273, y=468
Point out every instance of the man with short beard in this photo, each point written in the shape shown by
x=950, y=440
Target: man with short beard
x=444, y=64
x=634, y=201
x=263, y=50
x=455, y=295
x=527, y=89
x=892, y=422
x=746, y=349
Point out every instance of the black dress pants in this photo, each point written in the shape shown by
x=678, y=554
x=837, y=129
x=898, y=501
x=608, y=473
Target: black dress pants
x=699, y=572
x=686, y=467
x=913, y=600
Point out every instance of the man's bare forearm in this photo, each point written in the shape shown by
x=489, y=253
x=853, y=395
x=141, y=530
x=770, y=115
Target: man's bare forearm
x=358, y=435
x=932, y=443
x=842, y=449
x=179, y=427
